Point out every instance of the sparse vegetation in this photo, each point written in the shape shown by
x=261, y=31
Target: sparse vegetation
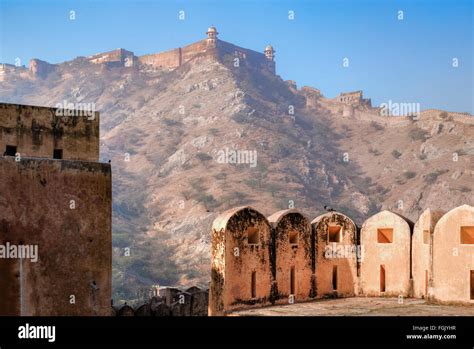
x=432, y=177
x=251, y=182
x=214, y=131
x=443, y=115
x=379, y=189
x=374, y=151
x=409, y=174
x=282, y=148
x=171, y=122
x=418, y=134
x=207, y=200
x=220, y=176
x=203, y=156
x=396, y=154
x=461, y=152
x=377, y=126
x=240, y=118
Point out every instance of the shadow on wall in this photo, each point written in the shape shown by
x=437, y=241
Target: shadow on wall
x=283, y=259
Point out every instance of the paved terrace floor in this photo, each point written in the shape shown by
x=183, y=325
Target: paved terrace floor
x=362, y=306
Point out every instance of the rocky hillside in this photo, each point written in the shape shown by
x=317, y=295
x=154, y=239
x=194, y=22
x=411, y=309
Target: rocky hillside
x=166, y=132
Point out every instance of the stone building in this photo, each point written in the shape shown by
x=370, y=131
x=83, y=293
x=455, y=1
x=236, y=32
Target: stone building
x=422, y=252
x=116, y=58
x=453, y=256
x=385, y=269
x=336, y=255
x=55, y=214
x=294, y=267
x=211, y=46
x=354, y=98
x=212, y=36
x=241, y=274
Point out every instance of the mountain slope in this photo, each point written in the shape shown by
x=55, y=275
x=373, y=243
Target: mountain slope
x=165, y=133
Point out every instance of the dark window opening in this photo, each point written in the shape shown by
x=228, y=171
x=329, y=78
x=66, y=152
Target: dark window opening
x=252, y=236
x=334, y=277
x=472, y=284
x=294, y=237
x=382, y=278
x=10, y=150
x=253, y=285
x=334, y=233
x=292, y=280
x=57, y=154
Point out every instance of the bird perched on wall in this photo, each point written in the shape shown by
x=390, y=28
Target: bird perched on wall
x=329, y=209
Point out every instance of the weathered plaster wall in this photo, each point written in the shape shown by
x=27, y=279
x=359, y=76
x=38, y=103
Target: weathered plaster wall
x=119, y=56
x=422, y=244
x=292, y=250
x=37, y=131
x=334, y=254
x=74, y=244
x=453, y=261
x=166, y=60
x=394, y=256
x=253, y=59
x=241, y=259
x=176, y=57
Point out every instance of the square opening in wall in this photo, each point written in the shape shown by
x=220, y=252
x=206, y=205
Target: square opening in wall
x=467, y=235
x=293, y=237
x=385, y=236
x=57, y=154
x=10, y=150
x=334, y=233
x=426, y=237
x=252, y=236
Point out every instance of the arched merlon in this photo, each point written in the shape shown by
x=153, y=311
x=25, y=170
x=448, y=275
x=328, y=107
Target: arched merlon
x=385, y=269
x=292, y=252
x=336, y=254
x=241, y=273
x=453, y=256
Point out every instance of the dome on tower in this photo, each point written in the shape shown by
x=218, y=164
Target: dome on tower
x=212, y=29
x=269, y=48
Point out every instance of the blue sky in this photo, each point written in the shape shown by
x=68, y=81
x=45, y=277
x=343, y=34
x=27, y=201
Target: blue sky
x=403, y=61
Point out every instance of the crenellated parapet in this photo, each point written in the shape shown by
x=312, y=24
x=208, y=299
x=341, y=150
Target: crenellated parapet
x=258, y=261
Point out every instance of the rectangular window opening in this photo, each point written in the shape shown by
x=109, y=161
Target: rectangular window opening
x=334, y=277
x=253, y=285
x=57, y=154
x=334, y=233
x=467, y=235
x=252, y=235
x=472, y=284
x=382, y=278
x=385, y=236
x=10, y=150
x=293, y=238
x=292, y=280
